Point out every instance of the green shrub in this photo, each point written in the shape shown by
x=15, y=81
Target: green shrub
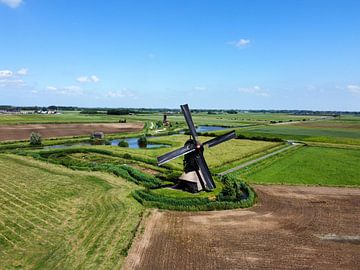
x=142, y=141
x=242, y=196
x=35, y=138
x=123, y=143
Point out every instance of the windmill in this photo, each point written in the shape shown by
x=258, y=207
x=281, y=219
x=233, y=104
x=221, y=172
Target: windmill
x=196, y=176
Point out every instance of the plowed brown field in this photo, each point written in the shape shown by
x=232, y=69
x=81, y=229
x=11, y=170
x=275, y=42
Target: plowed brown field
x=291, y=227
x=22, y=132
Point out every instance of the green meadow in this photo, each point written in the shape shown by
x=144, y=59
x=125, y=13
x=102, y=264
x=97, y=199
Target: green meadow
x=308, y=166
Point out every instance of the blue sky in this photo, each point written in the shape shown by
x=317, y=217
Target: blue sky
x=210, y=54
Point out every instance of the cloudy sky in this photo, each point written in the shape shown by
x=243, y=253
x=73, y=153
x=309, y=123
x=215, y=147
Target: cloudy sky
x=210, y=54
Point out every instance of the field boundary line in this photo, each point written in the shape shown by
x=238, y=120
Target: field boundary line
x=257, y=159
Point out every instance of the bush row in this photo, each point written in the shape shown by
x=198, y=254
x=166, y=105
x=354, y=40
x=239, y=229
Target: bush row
x=259, y=138
x=151, y=199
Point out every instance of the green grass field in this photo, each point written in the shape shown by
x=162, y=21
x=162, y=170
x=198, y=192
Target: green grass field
x=217, y=157
x=343, y=132
x=55, y=218
x=52, y=217
x=223, y=119
x=309, y=166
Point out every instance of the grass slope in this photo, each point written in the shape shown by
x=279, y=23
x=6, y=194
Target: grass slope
x=308, y=165
x=55, y=218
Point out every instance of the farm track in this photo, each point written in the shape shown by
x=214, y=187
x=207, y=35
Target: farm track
x=248, y=163
x=283, y=231
x=22, y=132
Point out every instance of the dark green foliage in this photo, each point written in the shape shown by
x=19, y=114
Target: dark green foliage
x=35, y=139
x=119, y=112
x=241, y=196
x=170, y=176
x=233, y=190
x=142, y=141
x=258, y=138
x=123, y=143
x=229, y=189
x=159, y=124
x=150, y=199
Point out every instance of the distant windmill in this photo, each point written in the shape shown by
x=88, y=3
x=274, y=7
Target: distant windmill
x=196, y=176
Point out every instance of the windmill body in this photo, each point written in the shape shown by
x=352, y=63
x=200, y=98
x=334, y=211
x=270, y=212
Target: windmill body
x=196, y=176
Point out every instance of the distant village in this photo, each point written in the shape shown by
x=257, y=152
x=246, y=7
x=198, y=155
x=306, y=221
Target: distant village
x=7, y=109
x=35, y=110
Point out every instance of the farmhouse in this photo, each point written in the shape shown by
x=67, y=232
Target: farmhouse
x=98, y=135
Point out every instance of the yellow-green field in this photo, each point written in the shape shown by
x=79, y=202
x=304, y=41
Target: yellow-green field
x=55, y=218
x=228, y=153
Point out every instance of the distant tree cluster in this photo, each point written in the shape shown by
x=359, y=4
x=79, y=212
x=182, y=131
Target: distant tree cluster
x=119, y=111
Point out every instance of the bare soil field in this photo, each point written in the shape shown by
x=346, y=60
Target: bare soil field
x=291, y=227
x=22, y=132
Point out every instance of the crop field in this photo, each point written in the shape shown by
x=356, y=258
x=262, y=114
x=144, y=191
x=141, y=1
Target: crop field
x=292, y=227
x=85, y=216
x=199, y=118
x=55, y=218
x=22, y=132
x=223, y=119
x=218, y=157
x=308, y=166
x=66, y=117
x=317, y=131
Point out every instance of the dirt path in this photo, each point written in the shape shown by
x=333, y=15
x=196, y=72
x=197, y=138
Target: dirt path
x=291, y=227
x=257, y=159
x=22, y=132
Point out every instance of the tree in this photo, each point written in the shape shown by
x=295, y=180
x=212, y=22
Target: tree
x=123, y=143
x=142, y=141
x=35, y=138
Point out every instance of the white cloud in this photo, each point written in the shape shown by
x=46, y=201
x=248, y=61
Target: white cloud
x=241, y=43
x=125, y=93
x=71, y=90
x=22, y=71
x=10, y=79
x=353, y=88
x=88, y=79
x=11, y=82
x=12, y=3
x=200, y=88
x=51, y=88
x=255, y=90
x=6, y=73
